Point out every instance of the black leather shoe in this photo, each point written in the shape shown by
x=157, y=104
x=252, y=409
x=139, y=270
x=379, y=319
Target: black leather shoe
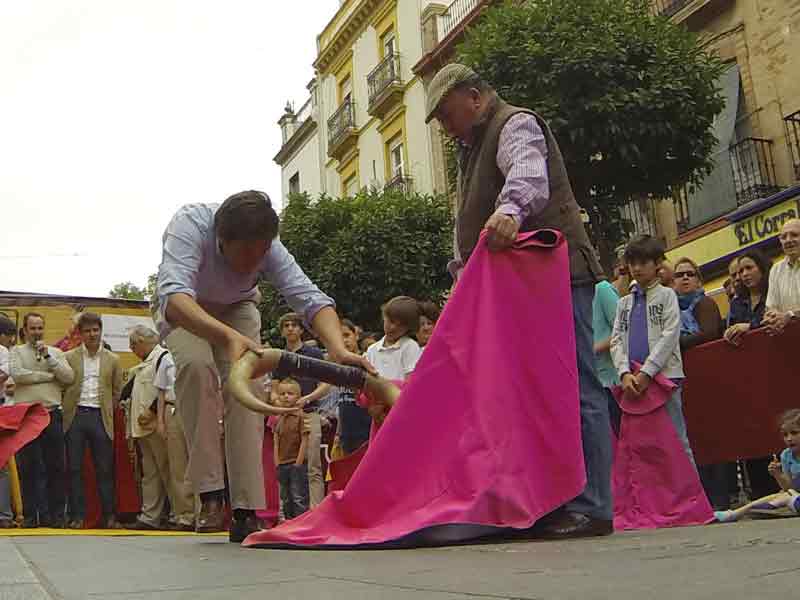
x=572, y=525
x=241, y=528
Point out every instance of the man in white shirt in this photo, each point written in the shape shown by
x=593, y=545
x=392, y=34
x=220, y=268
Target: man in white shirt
x=8, y=332
x=89, y=418
x=783, y=297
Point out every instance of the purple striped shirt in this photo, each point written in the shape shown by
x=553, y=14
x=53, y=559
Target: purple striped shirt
x=522, y=159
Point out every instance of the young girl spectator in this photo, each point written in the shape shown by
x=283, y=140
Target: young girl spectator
x=427, y=320
x=395, y=355
x=354, y=422
x=747, y=308
x=785, y=470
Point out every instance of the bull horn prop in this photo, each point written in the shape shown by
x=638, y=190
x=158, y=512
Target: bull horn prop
x=380, y=391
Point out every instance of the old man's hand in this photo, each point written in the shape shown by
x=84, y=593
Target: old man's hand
x=502, y=230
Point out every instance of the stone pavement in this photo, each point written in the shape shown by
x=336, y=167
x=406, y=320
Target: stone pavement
x=752, y=559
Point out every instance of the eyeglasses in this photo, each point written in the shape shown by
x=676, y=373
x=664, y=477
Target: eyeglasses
x=687, y=274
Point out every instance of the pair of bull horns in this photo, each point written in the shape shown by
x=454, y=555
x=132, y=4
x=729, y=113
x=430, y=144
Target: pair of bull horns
x=251, y=365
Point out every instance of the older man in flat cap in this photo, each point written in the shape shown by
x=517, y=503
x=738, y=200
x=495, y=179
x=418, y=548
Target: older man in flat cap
x=512, y=178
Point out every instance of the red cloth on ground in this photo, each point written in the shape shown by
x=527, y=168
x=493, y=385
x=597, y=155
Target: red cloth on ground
x=733, y=396
x=19, y=424
x=270, y=514
x=655, y=484
x=342, y=469
x=126, y=490
x=486, y=433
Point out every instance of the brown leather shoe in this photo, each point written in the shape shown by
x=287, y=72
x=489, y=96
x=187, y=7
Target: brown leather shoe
x=572, y=525
x=211, y=518
x=6, y=523
x=138, y=525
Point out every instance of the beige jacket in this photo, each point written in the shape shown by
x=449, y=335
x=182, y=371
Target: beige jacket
x=110, y=386
x=144, y=393
x=39, y=381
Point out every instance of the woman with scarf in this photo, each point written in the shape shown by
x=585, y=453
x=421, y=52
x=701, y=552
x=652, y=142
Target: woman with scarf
x=701, y=322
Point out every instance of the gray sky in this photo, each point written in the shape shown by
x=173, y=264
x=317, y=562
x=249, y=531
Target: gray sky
x=114, y=113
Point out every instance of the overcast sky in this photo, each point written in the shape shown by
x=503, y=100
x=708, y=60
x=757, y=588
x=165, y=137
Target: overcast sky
x=113, y=113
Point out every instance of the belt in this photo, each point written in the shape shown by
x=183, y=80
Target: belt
x=88, y=407
x=54, y=409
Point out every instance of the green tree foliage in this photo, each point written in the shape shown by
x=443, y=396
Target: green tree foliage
x=363, y=250
x=630, y=97
x=128, y=291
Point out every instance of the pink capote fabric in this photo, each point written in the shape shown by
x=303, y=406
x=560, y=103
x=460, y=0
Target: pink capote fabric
x=19, y=424
x=655, y=484
x=486, y=432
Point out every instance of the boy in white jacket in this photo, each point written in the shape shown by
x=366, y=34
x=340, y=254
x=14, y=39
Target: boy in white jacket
x=647, y=331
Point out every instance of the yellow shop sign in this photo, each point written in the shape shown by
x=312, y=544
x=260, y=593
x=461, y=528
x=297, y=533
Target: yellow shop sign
x=729, y=240
x=764, y=225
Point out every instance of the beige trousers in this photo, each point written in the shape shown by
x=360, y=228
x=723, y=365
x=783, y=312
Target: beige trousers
x=316, y=483
x=200, y=369
x=155, y=478
x=181, y=496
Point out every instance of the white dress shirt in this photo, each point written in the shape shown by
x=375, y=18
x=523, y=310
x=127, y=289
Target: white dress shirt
x=394, y=361
x=784, y=286
x=90, y=386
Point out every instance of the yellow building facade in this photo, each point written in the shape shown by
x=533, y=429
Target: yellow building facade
x=363, y=125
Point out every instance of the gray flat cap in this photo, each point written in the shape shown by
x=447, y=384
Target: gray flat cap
x=443, y=83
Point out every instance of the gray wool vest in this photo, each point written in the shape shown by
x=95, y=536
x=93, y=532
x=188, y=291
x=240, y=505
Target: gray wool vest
x=480, y=182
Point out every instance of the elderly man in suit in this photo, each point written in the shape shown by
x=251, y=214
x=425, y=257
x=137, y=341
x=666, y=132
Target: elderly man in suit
x=89, y=417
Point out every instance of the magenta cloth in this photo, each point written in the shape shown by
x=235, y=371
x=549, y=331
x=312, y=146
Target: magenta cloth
x=486, y=433
x=655, y=484
x=269, y=515
x=19, y=424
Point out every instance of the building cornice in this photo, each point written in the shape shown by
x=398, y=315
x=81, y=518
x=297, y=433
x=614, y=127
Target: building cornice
x=296, y=142
x=347, y=31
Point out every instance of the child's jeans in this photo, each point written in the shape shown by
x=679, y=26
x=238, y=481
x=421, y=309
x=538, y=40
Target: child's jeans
x=675, y=411
x=293, y=485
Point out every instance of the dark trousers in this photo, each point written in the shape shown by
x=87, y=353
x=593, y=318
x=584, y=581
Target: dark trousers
x=42, y=467
x=761, y=482
x=595, y=501
x=293, y=485
x=87, y=430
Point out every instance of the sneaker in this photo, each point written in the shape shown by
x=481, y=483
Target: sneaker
x=725, y=516
x=75, y=524
x=241, y=528
x=211, y=518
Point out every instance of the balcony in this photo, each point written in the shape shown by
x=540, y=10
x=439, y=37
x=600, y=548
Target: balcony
x=667, y=8
x=456, y=13
x=400, y=183
x=792, y=123
x=342, y=131
x=753, y=170
x=385, y=86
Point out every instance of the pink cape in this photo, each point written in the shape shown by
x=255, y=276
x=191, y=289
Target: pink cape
x=19, y=424
x=486, y=433
x=655, y=483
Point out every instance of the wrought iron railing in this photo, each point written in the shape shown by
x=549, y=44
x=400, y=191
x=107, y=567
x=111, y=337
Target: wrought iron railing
x=456, y=13
x=639, y=217
x=792, y=122
x=680, y=201
x=399, y=183
x=385, y=74
x=341, y=121
x=668, y=8
x=753, y=169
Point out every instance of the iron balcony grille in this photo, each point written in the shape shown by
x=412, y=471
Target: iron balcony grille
x=753, y=170
x=342, y=121
x=399, y=183
x=667, y=8
x=793, y=140
x=385, y=74
x=456, y=13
